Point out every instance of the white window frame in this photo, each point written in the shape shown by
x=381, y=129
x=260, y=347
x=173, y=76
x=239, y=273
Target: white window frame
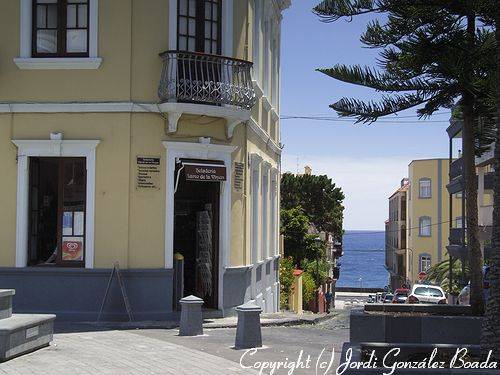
x=266, y=166
x=48, y=148
x=274, y=212
x=227, y=26
x=257, y=40
x=420, y=187
x=255, y=245
x=428, y=262
x=25, y=59
x=422, y=229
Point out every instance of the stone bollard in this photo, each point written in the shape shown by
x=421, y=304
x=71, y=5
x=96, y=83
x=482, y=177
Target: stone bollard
x=191, y=316
x=248, y=333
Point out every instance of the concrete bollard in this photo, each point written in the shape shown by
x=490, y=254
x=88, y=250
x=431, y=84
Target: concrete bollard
x=248, y=333
x=191, y=316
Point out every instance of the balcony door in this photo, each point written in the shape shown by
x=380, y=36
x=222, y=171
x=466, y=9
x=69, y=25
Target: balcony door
x=198, y=33
x=199, y=26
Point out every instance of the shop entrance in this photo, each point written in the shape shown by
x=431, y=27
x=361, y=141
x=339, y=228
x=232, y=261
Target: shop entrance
x=57, y=199
x=196, y=234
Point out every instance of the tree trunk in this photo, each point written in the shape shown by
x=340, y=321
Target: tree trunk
x=474, y=247
x=469, y=171
x=490, y=339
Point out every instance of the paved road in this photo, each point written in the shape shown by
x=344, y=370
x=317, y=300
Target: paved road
x=160, y=351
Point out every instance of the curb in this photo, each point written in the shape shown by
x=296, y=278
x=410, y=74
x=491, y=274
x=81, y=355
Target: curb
x=284, y=322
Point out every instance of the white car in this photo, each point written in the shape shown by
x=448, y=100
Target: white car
x=423, y=293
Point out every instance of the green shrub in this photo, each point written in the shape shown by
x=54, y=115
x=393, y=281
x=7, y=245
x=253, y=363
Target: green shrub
x=308, y=288
x=286, y=280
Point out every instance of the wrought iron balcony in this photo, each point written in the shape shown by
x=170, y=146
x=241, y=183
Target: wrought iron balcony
x=456, y=168
x=457, y=236
x=192, y=77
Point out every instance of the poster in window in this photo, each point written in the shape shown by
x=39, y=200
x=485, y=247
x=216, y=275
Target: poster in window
x=72, y=248
x=78, y=222
x=67, y=226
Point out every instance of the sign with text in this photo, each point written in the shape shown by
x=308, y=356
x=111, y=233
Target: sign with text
x=205, y=173
x=239, y=176
x=148, y=172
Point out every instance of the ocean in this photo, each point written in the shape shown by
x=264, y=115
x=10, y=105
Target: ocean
x=363, y=262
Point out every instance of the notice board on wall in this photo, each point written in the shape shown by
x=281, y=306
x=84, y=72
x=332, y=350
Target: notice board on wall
x=239, y=177
x=148, y=172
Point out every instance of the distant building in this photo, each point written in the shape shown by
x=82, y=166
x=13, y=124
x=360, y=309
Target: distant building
x=395, y=239
x=428, y=215
x=418, y=227
x=484, y=168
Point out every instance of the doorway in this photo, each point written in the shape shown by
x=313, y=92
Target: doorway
x=57, y=209
x=196, y=236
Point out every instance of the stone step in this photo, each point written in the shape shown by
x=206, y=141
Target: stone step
x=23, y=333
x=6, y=303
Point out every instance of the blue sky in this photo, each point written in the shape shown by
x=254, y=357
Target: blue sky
x=367, y=161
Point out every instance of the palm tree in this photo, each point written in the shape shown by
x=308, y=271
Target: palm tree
x=440, y=274
x=434, y=54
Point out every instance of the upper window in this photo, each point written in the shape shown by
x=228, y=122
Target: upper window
x=199, y=26
x=424, y=188
x=60, y=28
x=424, y=227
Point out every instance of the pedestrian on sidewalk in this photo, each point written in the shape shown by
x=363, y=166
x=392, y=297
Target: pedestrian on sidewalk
x=328, y=297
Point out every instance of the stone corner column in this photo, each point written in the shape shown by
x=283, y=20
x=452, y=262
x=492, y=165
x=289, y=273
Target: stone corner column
x=248, y=332
x=191, y=316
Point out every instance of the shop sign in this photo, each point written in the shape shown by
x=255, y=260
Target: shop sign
x=148, y=172
x=205, y=173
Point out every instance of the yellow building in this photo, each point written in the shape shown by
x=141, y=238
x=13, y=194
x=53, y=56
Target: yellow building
x=132, y=130
x=428, y=224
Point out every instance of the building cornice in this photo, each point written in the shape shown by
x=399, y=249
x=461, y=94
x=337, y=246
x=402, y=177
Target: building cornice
x=234, y=116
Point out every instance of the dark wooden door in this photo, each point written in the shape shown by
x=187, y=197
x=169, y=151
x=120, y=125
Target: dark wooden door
x=196, y=237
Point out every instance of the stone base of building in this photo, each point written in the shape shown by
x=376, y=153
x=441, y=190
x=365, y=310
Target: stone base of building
x=76, y=294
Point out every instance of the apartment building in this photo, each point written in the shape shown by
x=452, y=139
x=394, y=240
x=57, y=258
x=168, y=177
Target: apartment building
x=395, y=236
x=428, y=215
x=484, y=169
x=418, y=239
x=139, y=132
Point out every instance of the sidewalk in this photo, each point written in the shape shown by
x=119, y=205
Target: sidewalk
x=86, y=349
x=117, y=352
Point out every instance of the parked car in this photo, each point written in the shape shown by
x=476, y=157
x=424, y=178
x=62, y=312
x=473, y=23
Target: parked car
x=424, y=293
x=464, y=296
x=400, y=295
x=388, y=298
